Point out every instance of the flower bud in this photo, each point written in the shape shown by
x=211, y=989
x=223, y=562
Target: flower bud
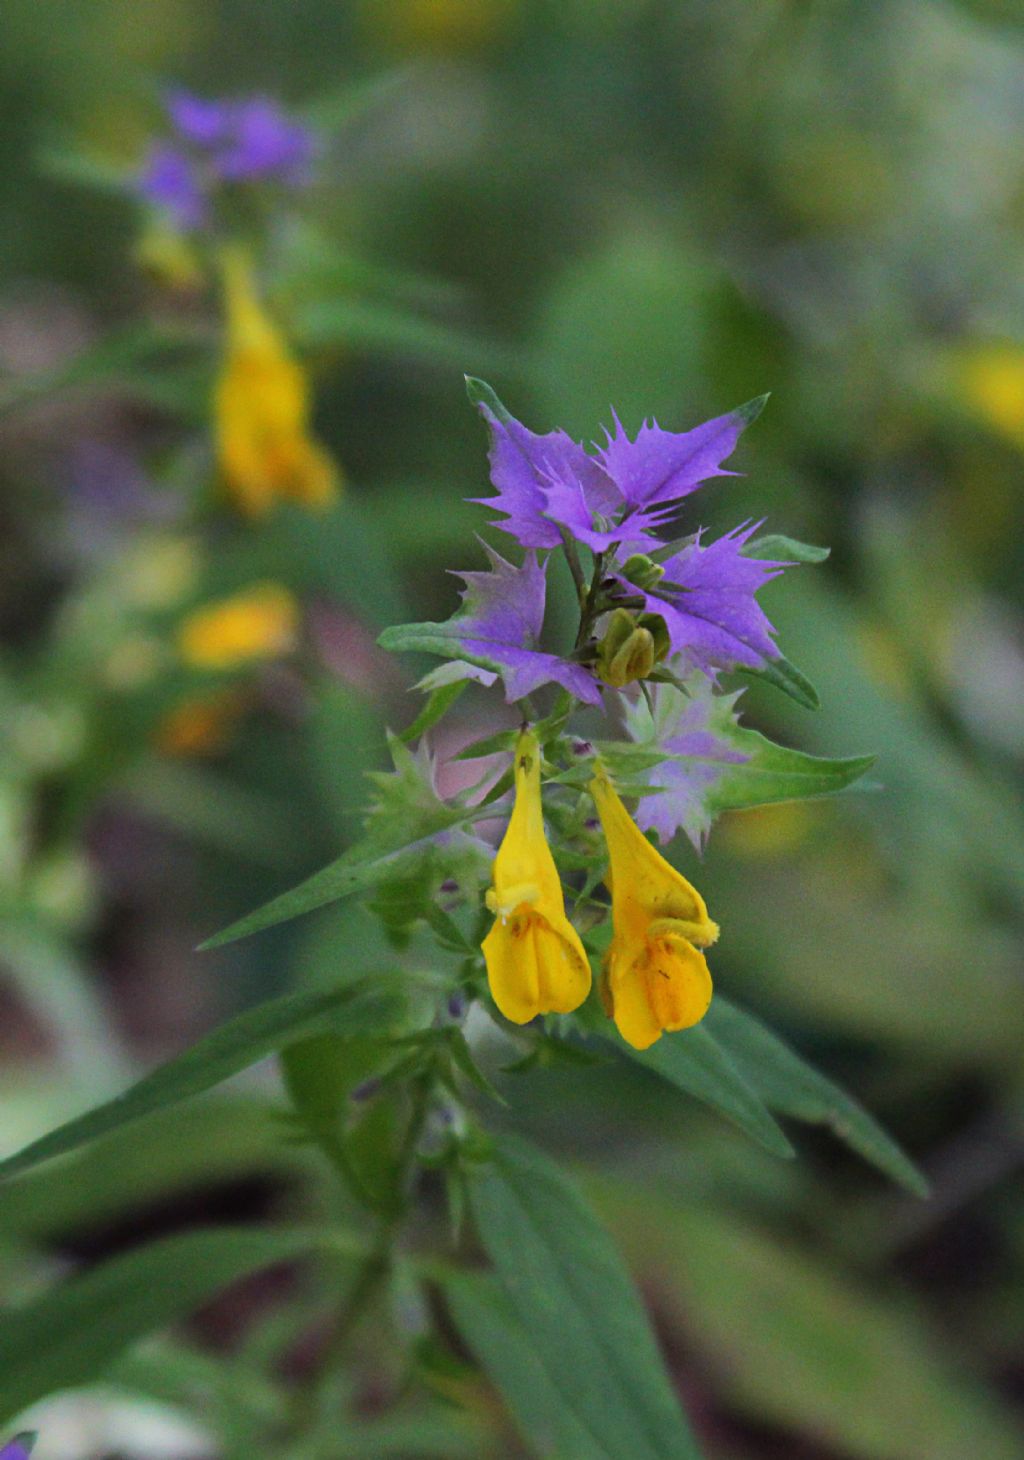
x=627, y=651
x=642, y=571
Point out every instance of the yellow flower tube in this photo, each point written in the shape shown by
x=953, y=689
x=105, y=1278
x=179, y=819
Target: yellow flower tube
x=261, y=409
x=536, y=963
x=655, y=977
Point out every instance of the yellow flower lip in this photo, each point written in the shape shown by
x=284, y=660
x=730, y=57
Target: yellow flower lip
x=261, y=408
x=655, y=977
x=536, y=963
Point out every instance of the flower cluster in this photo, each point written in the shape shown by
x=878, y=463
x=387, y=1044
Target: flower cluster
x=655, y=977
x=217, y=143
x=662, y=619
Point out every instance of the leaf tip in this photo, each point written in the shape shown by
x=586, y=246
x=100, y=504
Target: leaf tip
x=751, y=409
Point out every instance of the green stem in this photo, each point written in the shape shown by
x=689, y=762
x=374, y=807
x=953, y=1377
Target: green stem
x=572, y=557
x=589, y=604
x=308, y=1398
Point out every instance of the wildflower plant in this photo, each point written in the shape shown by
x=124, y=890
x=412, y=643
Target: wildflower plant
x=538, y=918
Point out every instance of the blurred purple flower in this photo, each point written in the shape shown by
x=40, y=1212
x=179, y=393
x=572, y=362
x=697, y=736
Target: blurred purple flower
x=264, y=142
x=171, y=181
x=217, y=141
x=198, y=121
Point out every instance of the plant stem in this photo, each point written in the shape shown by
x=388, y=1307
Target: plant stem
x=308, y=1397
x=589, y=603
x=572, y=557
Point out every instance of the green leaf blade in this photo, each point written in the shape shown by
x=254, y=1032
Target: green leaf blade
x=774, y=773
x=788, y=1084
x=785, y=676
x=71, y=1334
x=695, y=1062
x=358, y=1009
x=504, y=1349
x=565, y=1282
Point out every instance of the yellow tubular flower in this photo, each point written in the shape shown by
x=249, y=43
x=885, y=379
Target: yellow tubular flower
x=655, y=977
x=261, y=409
x=535, y=960
x=260, y=623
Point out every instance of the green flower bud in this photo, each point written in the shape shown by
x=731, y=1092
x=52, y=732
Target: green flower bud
x=658, y=630
x=639, y=569
x=627, y=651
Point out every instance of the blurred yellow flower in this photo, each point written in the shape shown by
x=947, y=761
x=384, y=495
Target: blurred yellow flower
x=200, y=725
x=655, y=978
x=260, y=623
x=993, y=383
x=261, y=409
x=536, y=963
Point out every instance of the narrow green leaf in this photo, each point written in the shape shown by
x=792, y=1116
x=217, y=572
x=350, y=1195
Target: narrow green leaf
x=567, y=1287
x=496, y=744
x=358, y=1009
x=694, y=1061
x=462, y=1059
x=780, y=549
x=360, y=867
x=789, y=1085
x=777, y=773
x=72, y=1333
x=440, y=700
x=787, y=677
x=338, y=108
x=385, y=328
x=506, y=1352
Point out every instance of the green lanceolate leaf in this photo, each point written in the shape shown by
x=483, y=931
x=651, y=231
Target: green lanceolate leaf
x=505, y=1350
x=72, y=1333
x=787, y=1084
x=787, y=677
x=565, y=1284
x=774, y=547
x=405, y=827
x=776, y=773
x=358, y=1009
x=694, y=1061
x=354, y=871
